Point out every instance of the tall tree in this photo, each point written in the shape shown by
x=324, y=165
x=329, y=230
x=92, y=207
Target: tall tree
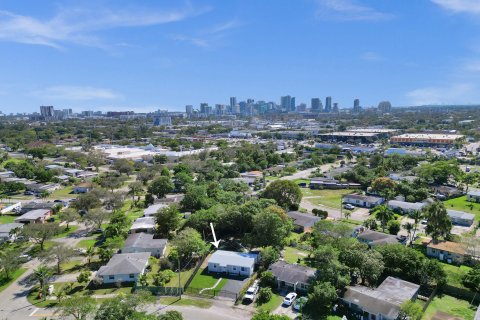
x=168, y=220
x=80, y=308
x=161, y=186
x=384, y=214
x=95, y=218
x=68, y=216
x=9, y=261
x=189, y=243
x=42, y=275
x=269, y=229
x=285, y=192
x=134, y=189
x=385, y=187
x=39, y=233
x=58, y=253
x=439, y=223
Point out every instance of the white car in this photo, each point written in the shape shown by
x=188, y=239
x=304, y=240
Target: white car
x=250, y=294
x=289, y=298
x=348, y=206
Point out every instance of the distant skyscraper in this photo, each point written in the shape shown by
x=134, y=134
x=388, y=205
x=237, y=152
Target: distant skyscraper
x=328, y=104
x=47, y=112
x=233, y=103
x=356, y=106
x=189, y=109
x=385, y=106
x=285, y=103
x=203, y=107
x=302, y=107
x=292, y=104
x=316, y=105
x=162, y=118
x=335, y=107
x=250, y=101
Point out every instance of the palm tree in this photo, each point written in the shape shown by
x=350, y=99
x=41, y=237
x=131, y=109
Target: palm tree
x=409, y=227
x=41, y=275
x=384, y=214
x=347, y=214
x=90, y=253
x=416, y=215
x=134, y=189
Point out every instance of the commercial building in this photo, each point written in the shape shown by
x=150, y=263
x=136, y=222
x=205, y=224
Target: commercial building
x=316, y=105
x=328, y=104
x=351, y=137
x=427, y=139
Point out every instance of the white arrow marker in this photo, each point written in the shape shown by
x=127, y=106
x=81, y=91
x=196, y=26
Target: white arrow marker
x=215, y=242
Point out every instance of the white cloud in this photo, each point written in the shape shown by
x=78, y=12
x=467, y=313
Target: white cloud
x=371, y=56
x=76, y=93
x=454, y=94
x=79, y=25
x=207, y=37
x=458, y=6
x=231, y=24
x=196, y=41
x=348, y=10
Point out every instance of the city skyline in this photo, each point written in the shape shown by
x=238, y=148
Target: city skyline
x=109, y=56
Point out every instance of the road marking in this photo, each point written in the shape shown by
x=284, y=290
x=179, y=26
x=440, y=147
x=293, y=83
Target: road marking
x=35, y=310
x=33, y=314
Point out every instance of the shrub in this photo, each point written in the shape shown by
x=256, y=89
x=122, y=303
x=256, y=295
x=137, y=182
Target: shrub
x=393, y=227
x=267, y=279
x=264, y=295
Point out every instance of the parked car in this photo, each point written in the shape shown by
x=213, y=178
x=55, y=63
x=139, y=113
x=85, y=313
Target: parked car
x=289, y=298
x=300, y=303
x=348, y=206
x=28, y=193
x=251, y=292
x=25, y=257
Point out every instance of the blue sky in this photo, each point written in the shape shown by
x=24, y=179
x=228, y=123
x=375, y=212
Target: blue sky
x=145, y=55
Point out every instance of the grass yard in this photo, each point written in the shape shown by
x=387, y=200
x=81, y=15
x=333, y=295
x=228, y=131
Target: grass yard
x=66, y=232
x=7, y=218
x=328, y=198
x=5, y=283
x=87, y=243
x=462, y=204
x=62, y=193
x=272, y=304
x=204, y=304
x=205, y=280
x=455, y=274
x=450, y=305
x=291, y=255
x=184, y=276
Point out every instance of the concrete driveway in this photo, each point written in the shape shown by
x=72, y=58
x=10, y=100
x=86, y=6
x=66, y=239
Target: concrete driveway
x=233, y=286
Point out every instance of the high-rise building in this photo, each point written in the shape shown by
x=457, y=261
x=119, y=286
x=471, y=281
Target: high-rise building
x=316, y=105
x=385, y=106
x=328, y=104
x=302, y=107
x=356, y=106
x=189, y=109
x=250, y=101
x=162, y=118
x=335, y=107
x=233, y=103
x=203, y=107
x=47, y=112
x=287, y=103
x=292, y=104
x=220, y=109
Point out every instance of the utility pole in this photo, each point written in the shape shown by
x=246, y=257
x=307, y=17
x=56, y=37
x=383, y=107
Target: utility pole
x=179, y=282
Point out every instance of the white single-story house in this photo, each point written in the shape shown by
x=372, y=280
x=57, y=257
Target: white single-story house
x=362, y=201
x=6, y=233
x=143, y=224
x=473, y=196
x=73, y=172
x=34, y=216
x=447, y=251
x=235, y=263
x=461, y=218
x=124, y=267
x=144, y=242
x=406, y=207
x=292, y=277
x=151, y=210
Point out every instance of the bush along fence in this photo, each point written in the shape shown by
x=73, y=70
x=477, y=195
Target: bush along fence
x=211, y=293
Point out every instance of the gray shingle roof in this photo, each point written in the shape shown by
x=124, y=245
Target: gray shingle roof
x=144, y=240
x=292, y=273
x=125, y=263
x=151, y=210
x=303, y=219
x=455, y=214
x=33, y=214
x=406, y=205
x=7, y=227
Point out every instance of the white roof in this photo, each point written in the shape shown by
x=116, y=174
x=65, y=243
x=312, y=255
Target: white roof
x=151, y=210
x=225, y=258
x=144, y=223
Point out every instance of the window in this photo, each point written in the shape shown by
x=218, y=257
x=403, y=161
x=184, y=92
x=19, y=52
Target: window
x=131, y=275
x=111, y=277
x=243, y=268
x=234, y=268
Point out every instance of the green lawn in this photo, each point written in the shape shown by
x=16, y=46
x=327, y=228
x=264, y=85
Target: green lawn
x=462, y=204
x=87, y=243
x=328, y=198
x=184, y=276
x=205, y=280
x=450, y=305
x=455, y=274
x=272, y=304
x=65, y=232
x=7, y=218
x=62, y=193
x=204, y=304
x=291, y=255
x=4, y=284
